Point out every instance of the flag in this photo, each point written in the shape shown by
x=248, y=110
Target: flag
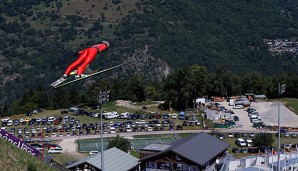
x=268, y=153
x=274, y=152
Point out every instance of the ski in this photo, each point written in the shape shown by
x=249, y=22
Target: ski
x=90, y=75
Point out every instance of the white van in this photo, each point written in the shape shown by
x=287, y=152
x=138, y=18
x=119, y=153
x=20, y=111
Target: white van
x=241, y=142
x=124, y=115
x=108, y=115
x=55, y=150
x=115, y=114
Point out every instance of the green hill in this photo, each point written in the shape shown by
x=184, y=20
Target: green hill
x=38, y=37
x=13, y=158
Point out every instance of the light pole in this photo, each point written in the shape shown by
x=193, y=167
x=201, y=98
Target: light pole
x=281, y=90
x=102, y=98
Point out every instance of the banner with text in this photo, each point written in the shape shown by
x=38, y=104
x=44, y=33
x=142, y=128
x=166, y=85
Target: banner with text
x=19, y=143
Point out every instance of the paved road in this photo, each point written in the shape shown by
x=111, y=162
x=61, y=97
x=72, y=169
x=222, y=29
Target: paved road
x=131, y=134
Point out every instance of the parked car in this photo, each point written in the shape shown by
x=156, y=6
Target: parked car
x=287, y=135
x=93, y=152
x=252, y=150
x=165, y=116
x=55, y=150
x=251, y=134
x=181, y=117
x=243, y=150
x=240, y=142
x=152, y=116
x=294, y=135
x=230, y=135
x=44, y=140
x=29, y=140
x=236, y=118
x=179, y=127
x=5, y=119
x=238, y=107
x=158, y=116
x=237, y=135
x=174, y=116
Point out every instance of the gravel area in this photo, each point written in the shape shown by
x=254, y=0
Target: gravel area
x=243, y=118
x=269, y=114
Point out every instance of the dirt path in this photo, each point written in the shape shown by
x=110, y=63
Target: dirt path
x=70, y=148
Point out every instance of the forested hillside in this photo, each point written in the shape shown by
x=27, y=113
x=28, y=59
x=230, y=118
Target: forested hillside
x=39, y=37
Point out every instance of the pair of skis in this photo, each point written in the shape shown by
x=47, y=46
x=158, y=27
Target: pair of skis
x=61, y=84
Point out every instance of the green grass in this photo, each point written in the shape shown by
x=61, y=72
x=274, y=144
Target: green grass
x=291, y=104
x=135, y=153
x=13, y=158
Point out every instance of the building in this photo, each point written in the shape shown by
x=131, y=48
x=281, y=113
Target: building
x=114, y=159
x=193, y=153
x=152, y=149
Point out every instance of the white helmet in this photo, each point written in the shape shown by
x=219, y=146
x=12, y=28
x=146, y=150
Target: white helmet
x=106, y=43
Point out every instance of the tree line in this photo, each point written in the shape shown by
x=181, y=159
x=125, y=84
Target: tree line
x=179, y=89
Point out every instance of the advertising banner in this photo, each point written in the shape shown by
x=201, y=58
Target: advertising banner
x=18, y=143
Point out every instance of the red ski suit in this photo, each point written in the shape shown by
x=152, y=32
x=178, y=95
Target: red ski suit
x=86, y=56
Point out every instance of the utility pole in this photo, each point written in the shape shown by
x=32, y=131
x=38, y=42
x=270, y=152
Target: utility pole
x=281, y=90
x=102, y=98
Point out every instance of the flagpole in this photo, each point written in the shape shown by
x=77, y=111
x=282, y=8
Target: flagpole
x=281, y=90
x=296, y=155
x=285, y=157
x=272, y=158
x=278, y=118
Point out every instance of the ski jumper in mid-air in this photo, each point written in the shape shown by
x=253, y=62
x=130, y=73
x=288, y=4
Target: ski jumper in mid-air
x=86, y=56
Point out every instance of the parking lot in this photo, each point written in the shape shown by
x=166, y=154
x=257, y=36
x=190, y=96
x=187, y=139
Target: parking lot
x=74, y=123
x=244, y=120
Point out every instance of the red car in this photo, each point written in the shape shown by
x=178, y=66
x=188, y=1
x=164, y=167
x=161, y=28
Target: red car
x=56, y=122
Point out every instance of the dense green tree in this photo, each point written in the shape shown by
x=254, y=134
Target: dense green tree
x=263, y=139
x=73, y=96
x=60, y=99
x=120, y=143
x=40, y=98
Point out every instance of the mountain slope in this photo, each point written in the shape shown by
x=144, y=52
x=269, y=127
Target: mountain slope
x=13, y=158
x=38, y=37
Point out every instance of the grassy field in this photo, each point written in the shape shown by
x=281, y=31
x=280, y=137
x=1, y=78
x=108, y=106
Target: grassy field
x=13, y=158
x=291, y=104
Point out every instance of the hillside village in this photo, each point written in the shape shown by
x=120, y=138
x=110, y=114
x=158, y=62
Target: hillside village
x=279, y=46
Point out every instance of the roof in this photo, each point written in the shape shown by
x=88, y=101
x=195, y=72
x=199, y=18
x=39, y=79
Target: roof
x=114, y=159
x=199, y=148
x=156, y=147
